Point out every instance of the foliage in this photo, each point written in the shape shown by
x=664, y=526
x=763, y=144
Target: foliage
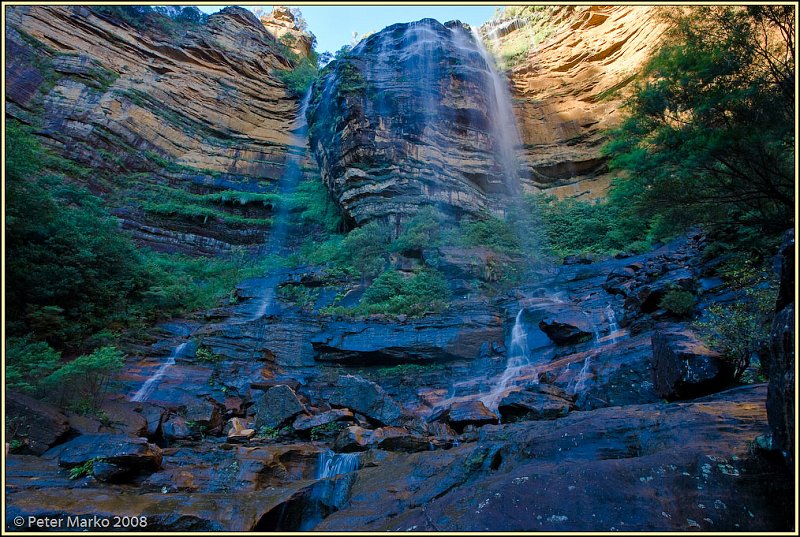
x=300, y=295
x=329, y=429
x=84, y=378
x=424, y=292
x=491, y=232
x=171, y=20
x=422, y=231
x=27, y=363
x=204, y=354
x=73, y=272
x=83, y=470
x=314, y=205
x=298, y=79
x=574, y=226
x=365, y=249
x=678, y=301
x=741, y=329
x=710, y=133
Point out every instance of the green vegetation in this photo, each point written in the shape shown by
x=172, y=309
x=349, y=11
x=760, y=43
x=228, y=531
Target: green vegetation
x=83, y=470
x=328, y=430
x=393, y=292
x=299, y=78
x=710, y=133
x=35, y=368
x=172, y=21
x=677, y=301
x=741, y=329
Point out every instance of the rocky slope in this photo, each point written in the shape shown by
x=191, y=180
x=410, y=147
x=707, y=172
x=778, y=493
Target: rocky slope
x=380, y=423
x=570, y=84
x=158, y=113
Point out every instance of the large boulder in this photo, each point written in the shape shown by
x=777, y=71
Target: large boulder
x=278, y=405
x=307, y=423
x=36, y=424
x=780, y=394
x=683, y=367
x=368, y=398
x=538, y=402
x=131, y=453
x=566, y=328
x=463, y=413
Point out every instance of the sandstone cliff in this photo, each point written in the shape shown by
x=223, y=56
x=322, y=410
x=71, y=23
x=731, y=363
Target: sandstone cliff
x=282, y=24
x=165, y=117
x=569, y=87
x=409, y=118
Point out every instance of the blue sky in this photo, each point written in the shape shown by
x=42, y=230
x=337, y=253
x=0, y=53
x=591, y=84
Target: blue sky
x=334, y=25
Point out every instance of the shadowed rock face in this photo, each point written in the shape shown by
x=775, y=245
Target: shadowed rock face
x=409, y=119
x=198, y=111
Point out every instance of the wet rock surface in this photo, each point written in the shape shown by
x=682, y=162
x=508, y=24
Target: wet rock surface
x=684, y=367
x=36, y=425
x=579, y=430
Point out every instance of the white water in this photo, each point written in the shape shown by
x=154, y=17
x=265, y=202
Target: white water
x=329, y=494
x=331, y=464
x=519, y=358
x=503, y=121
x=280, y=223
x=613, y=327
x=151, y=383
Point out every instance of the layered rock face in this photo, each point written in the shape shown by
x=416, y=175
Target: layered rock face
x=570, y=87
x=157, y=113
x=412, y=117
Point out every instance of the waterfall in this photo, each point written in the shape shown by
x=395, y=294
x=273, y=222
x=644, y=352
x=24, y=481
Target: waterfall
x=518, y=358
x=503, y=122
x=151, y=383
x=292, y=173
x=578, y=384
x=331, y=464
x=613, y=327
x=336, y=473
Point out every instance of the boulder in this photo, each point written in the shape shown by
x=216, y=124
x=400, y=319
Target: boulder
x=306, y=423
x=354, y=438
x=278, y=405
x=566, y=328
x=368, y=398
x=109, y=473
x=176, y=428
x=37, y=424
x=122, y=418
x=204, y=413
x=535, y=403
x=463, y=413
x=401, y=439
x=683, y=367
x=129, y=453
x=238, y=430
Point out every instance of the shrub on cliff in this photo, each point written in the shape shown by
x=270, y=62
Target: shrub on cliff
x=424, y=292
x=710, y=133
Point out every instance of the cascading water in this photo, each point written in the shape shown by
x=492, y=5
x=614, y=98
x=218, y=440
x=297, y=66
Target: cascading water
x=613, y=327
x=335, y=472
x=519, y=358
x=150, y=384
x=503, y=122
x=287, y=185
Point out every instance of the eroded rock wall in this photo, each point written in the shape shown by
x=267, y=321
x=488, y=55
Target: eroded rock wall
x=174, y=114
